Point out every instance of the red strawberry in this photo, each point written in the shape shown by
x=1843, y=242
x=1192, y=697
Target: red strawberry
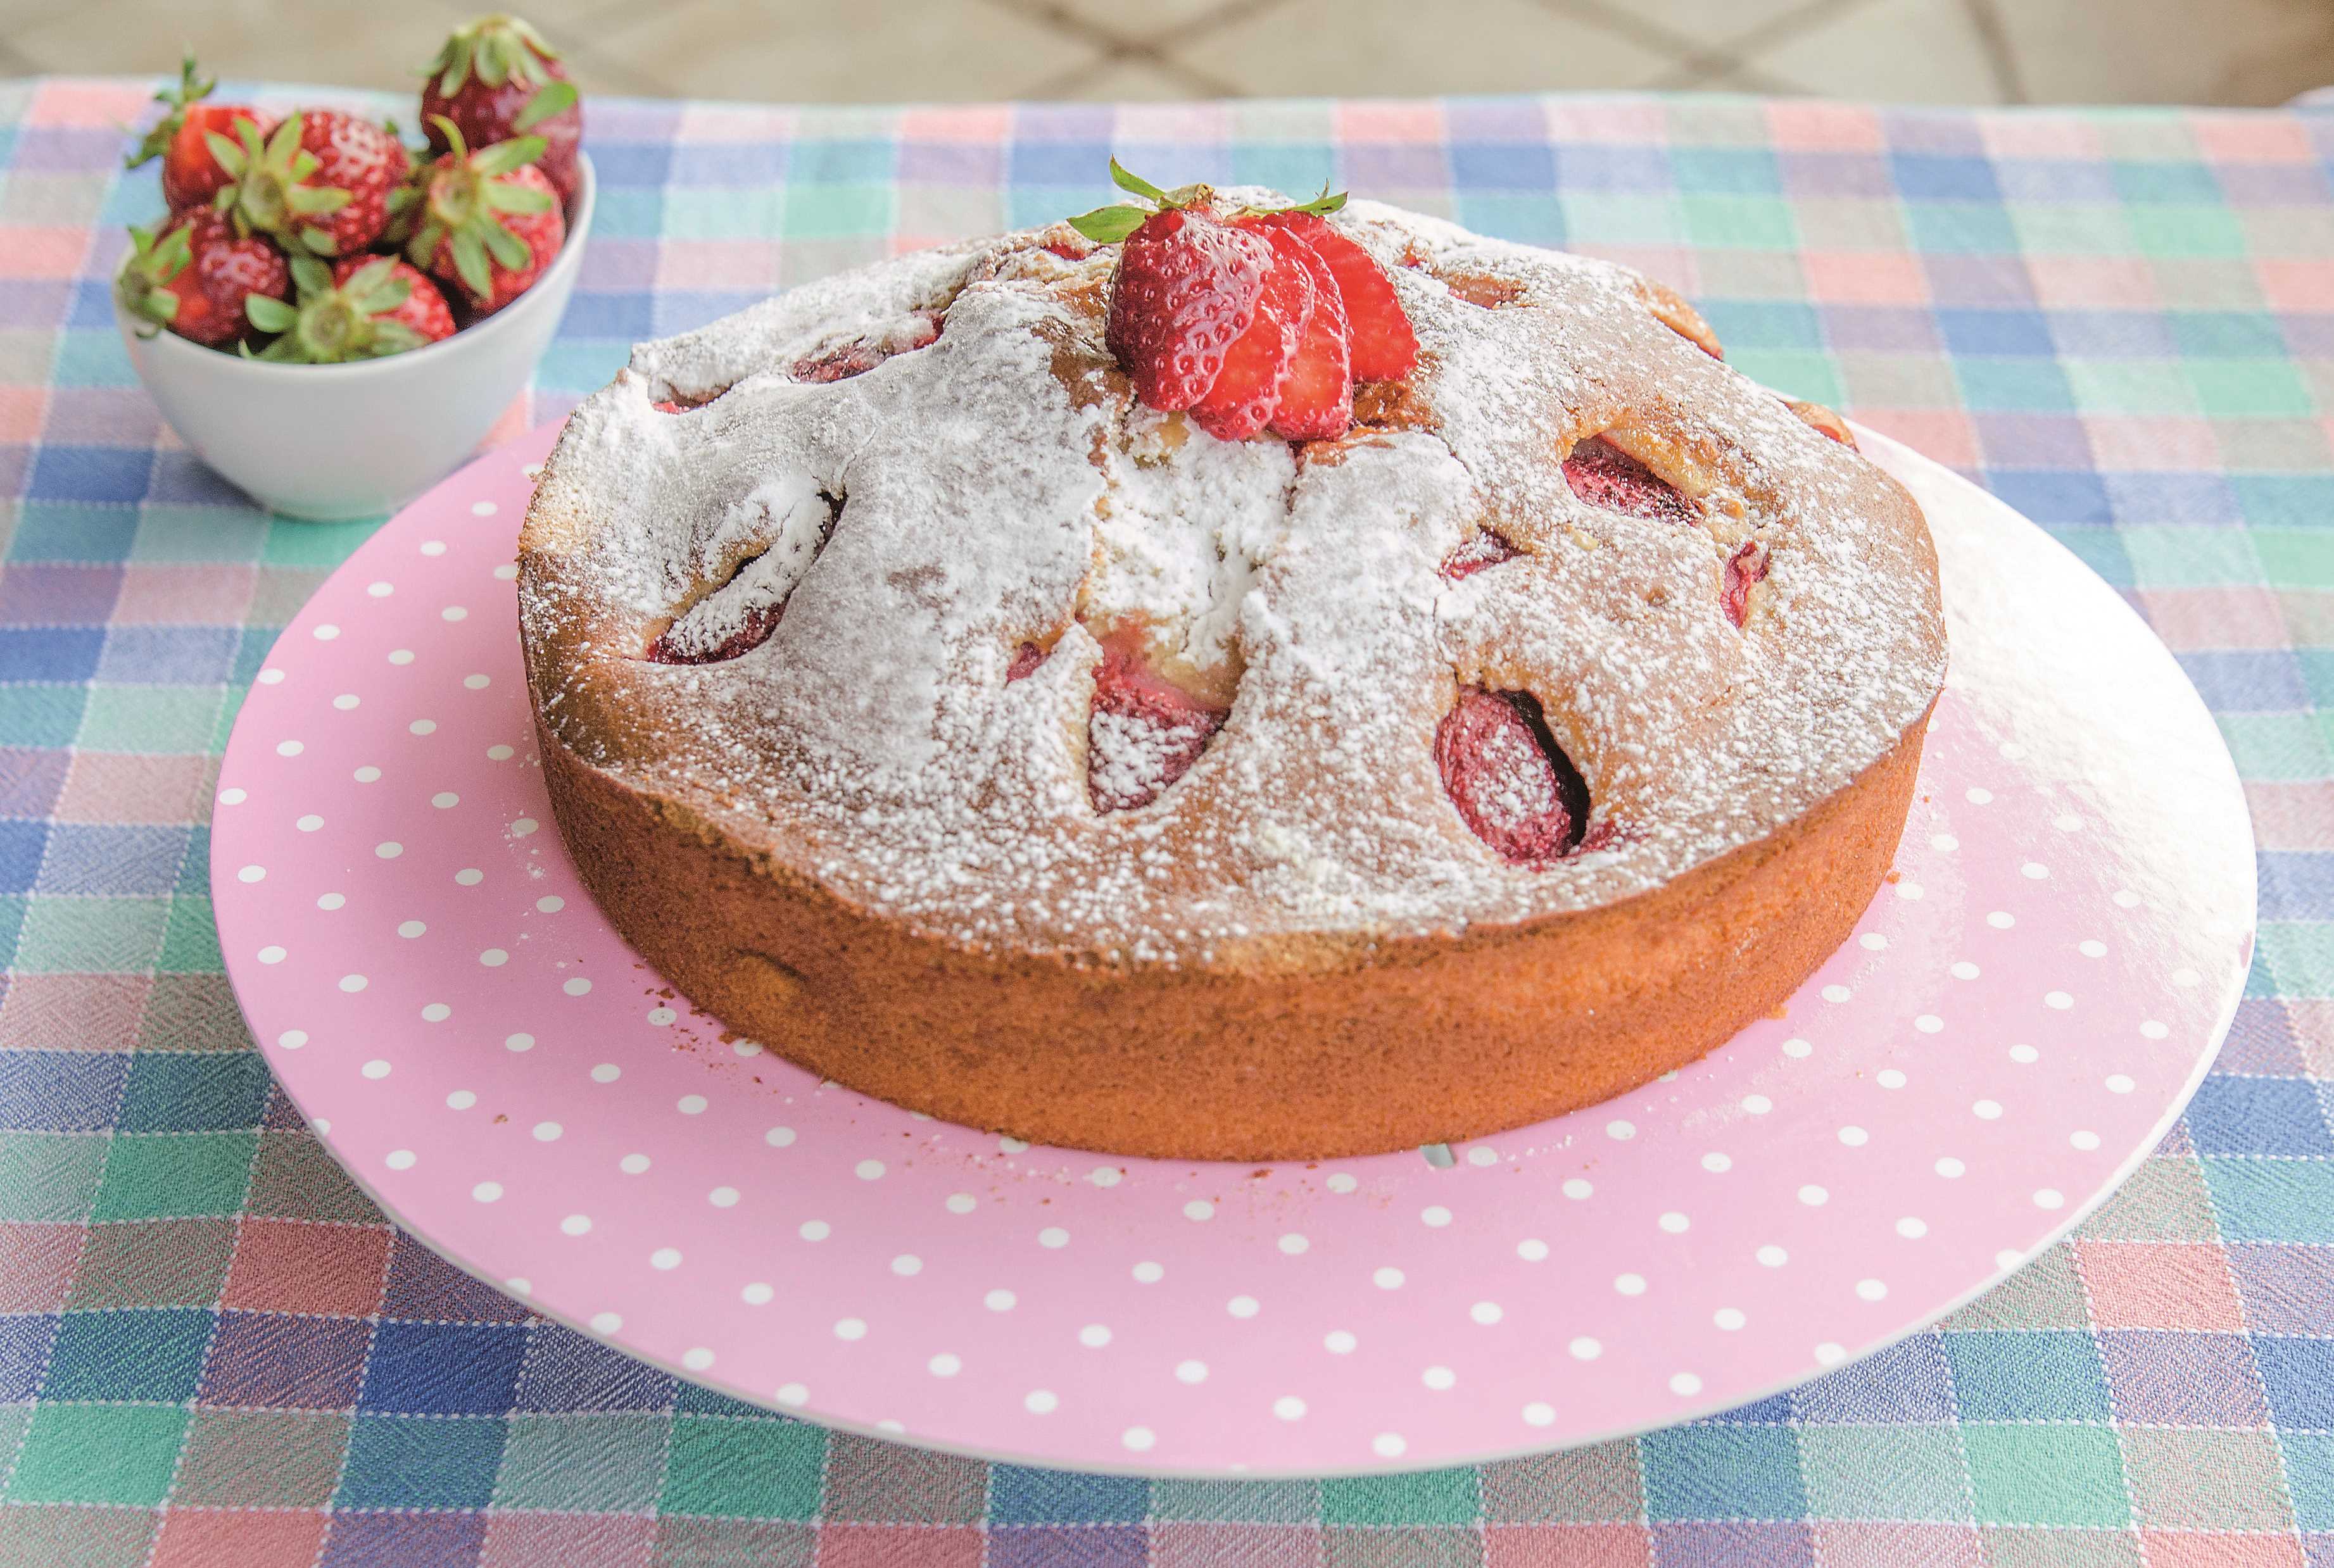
x=321, y=180
x=1143, y=732
x=1379, y=333
x=197, y=276
x=1514, y=787
x=488, y=221
x=1186, y=288
x=1257, y=366
x=362, y=307
x=1605, y=477
x=191, y=176
x=1745, y=570
x=496, y=79
x=1317, y=397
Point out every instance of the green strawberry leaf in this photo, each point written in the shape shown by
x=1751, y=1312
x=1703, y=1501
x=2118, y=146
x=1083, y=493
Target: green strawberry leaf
x=556, y=99
x=505, y=156
x=312, y=200
x=269, y=315
x=394, y=338
x=313, y=277
x=230, y=157
x=1323, y=205
x=470, y=264
x=507, y=247
x=1109, y=225
x=1134, y=183
x=505, y=196
x=457, y=65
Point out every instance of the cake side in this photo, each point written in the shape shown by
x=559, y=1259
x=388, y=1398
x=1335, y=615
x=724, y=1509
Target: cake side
x=1417, y=1041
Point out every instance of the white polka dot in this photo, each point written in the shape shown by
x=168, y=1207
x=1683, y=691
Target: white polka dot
x=399, y=1160
x=482, y=508
x=2012, y=750
x=1952, y=1170
x=1105, y=1175
x=1796, y=1047
x=1093, y=1336
x=634, y=1164
x=1772, y=1256
x=523, y=826
x=376, y=1068
x=1910, y=889
x=1486, y=1313
x=1911, y=1228
x=1342, y=1181
x=1684, y=1383
x=433, y=547
x=411, y=928
x=1243, y=1307
x=727, y=1198
x=232, y=797
x=2034, y=870
x=2120, y=1083
x=1339, y=1343
x=1199, y=1209
x=1483, y=1154
x=694, y=1105
x=470, y=876
x=2086, y=1142
x=2153, y=1029
x=2185, y=977
x=1191, y=1371
x=522, y=1041
x=289, y=748
x=1620, y=1132
x=1673, y=1222
x=814, y=1230
x=1828, y=1354
x=1813, y=1196
x=423, y=726
x=1294, y=1244
x=499, y=754
x=325, y=632
x=1288, y=1408
x=548, y=1131
x=1837, y=993
x=887, y=1424
x=1438, y=1379
x=579, y=986
x=606, y=1072
x=1728, y=1318
x=1576, y=1188
x=1386, y=1278
x=1149, y=1272
x=271, y=676
x=851, y=1328
x=697, y=1359
x=1138, y=1438
x=1890, y=1078
x=1871, y=1290
x=958, y=1202
x=1532, y=1250
x=665, y=1257
x=1054, y=1237
x=488, y=1191
x=1538, y=1414
x=1630, y=1284
x=2009, y=1257
x=662, y=1018
x=1388, y=1446
x=1855, y=1137
x=1873, y=941
x=999, y=1301
x=1716, y=1163
x=320, y=1125
x=1928, y=1024
x=792, y=1395
x=1987, y=1111
x=437, y=1013
x=2002, y=919
x=493, y=957
x=476, y=682
x=1435, y=1216
x=2057, y=999
x=944, y=1365
x=1011, y=1146
x=606, y=1323
x=576, y=1224
x=1978, y=797
x=2049, y=1197
x=454, y=613
x=1943, y=844
x=1585, y=1349
x=292, y=1039
x=2092, y=949
x=271, y=954
x=1040, y=1401
x=400, y=656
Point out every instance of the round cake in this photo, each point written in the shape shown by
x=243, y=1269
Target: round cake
x=927, y=706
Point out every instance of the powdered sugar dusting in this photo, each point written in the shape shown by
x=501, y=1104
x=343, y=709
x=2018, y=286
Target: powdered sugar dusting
x=995, y=486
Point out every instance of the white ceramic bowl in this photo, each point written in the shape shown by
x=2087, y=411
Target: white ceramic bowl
x=331, y=442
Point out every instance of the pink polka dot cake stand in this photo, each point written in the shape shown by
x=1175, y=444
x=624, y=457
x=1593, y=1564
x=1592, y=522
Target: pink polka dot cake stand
x=2020, y=1016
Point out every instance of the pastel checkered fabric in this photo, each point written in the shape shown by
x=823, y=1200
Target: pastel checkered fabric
x=213, y=1352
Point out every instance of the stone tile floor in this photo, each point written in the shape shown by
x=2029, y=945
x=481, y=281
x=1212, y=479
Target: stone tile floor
x=2238, y=51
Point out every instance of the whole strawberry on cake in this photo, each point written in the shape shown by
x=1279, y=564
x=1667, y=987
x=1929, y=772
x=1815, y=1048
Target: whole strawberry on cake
x=1226, y=678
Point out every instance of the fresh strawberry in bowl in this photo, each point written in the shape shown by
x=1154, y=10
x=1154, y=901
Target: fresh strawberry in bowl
x=488, y=221
x=362, y=307
x=497, y=78
x=191, y=174
x=321, y=181
x=197, y=277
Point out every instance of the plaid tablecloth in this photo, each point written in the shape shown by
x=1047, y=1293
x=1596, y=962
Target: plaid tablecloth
x=214, y=1352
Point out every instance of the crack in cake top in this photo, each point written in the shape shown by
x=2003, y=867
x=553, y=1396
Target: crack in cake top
x=843, y=575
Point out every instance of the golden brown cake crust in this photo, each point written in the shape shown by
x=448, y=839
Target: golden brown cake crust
x=869, y=840
x=1428, y=1041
